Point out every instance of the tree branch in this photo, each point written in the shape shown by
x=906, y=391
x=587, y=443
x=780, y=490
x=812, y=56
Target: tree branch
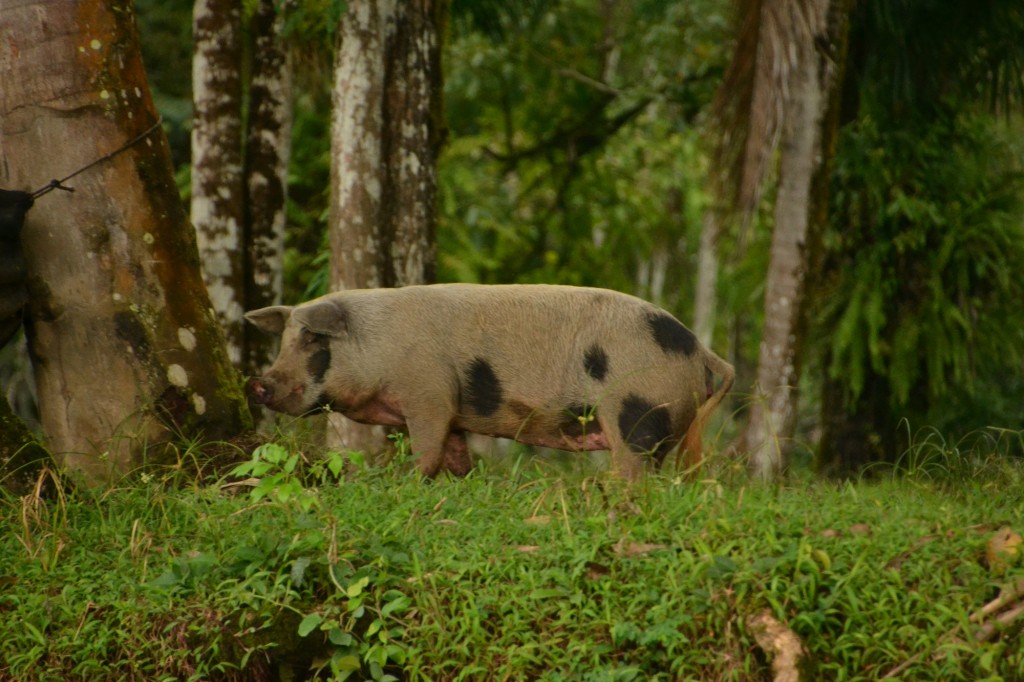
x=578, y=138
x=782, y=646
x=1006, y=608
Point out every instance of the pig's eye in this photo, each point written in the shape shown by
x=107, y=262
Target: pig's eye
x=310, y=339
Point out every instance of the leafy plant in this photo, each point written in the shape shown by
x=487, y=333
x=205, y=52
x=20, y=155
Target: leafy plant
x=924, y=244
x=574, y=157
x=278, y=476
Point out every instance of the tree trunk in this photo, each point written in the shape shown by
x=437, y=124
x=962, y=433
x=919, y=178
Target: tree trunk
x=386, y=135
x=268, y=152
x=772, y=412
x=217, y=187
x=705, y=297
x=126, y=353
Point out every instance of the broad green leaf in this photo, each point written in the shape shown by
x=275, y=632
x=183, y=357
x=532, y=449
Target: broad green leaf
x=309, y=623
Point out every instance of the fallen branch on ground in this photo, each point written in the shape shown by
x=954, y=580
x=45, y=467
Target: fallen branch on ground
x=782, y=646
x=993, y=617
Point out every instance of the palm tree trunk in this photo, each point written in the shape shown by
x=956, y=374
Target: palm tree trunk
x=772, y=412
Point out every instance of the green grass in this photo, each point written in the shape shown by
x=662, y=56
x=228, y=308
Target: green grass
x=510, y=574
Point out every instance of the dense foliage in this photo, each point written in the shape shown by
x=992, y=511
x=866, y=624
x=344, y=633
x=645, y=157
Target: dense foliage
x=925, y=228
x=575, y=152
x=925, y=244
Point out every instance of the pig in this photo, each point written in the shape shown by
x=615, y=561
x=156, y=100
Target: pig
x=571, y=368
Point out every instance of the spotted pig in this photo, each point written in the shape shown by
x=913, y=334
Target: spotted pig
x=563, y=367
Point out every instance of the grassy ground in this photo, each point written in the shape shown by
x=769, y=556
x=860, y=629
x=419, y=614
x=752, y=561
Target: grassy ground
x=521, y=573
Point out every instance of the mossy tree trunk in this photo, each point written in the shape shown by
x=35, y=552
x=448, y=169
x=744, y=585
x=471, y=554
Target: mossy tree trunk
x=128, y=355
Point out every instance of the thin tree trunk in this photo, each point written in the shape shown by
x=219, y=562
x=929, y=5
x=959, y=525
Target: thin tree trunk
x=217, y=187
x=771, y=413
x=652, y=269
x=705, y=297
x=386, y=134
x=414, y=129
x=126, y=353
x=358, y=248
x=770, y=416
x=266, y=175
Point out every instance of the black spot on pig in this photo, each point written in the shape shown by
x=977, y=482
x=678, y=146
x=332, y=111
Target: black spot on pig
x=670, y=334
x=595, y=361
x=645, y=427
x=318, y=364
x=580, y=420
x=483, y=389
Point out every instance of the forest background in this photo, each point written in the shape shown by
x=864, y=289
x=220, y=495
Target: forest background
x=643, y=146
x=580, y=148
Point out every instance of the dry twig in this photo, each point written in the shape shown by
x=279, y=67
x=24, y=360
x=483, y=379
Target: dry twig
x=782, y=646
x=993, y=618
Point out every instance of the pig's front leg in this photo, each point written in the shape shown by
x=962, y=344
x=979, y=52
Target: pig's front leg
x=428, y=438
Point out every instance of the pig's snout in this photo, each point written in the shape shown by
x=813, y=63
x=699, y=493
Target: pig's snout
x=260, y=393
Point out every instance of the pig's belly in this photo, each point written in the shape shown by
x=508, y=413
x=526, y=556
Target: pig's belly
x=549, y=429
x=572, y=443
x=559, y=429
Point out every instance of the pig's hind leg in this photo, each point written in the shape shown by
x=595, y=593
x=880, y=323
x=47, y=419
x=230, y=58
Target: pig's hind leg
x=456, y=454
x=626, y=464
x=640, y=434
x=436, y=451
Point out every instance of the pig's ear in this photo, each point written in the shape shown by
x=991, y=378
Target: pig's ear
x=270, y=320
x=324, y=316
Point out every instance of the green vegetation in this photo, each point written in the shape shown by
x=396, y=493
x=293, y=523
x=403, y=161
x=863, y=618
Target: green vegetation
x=574, y=152
x=518, y=571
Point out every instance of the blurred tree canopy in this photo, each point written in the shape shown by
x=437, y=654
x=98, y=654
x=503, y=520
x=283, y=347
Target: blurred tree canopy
x=575, y=150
